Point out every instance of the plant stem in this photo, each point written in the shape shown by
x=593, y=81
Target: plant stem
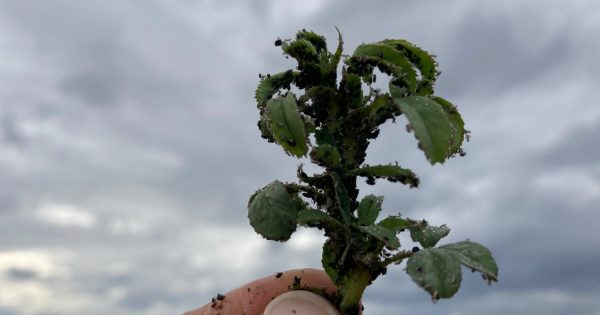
x=343, y=259
x=353, y=288
x=311, y=192
x=397, y=258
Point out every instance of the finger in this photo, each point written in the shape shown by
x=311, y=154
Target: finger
x=252, y=298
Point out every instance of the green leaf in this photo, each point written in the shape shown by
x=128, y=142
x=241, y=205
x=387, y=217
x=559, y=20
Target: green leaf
x=335, y=59
x=273, y=211
x=394, y=223
x=329, y=260
x=317, y=41
x=436, y=271
x=388, y=237
x=456, y=122
x=287, y=125
x=368, y=209
x=428, y=235
x=302, y=50
x=379, y=110
x=375, y=113
x=341, y=197
x=393, y=173
x=271, y=84
x=390, y=61
x=265, y=130
x=430, y=124
x=325, y=155
x=317, y=218
x=421, y=58
x=475, y=256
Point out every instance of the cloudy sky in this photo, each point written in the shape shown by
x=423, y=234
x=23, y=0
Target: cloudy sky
x=129, y=147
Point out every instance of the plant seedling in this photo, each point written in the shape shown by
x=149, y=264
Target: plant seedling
x=343, y=116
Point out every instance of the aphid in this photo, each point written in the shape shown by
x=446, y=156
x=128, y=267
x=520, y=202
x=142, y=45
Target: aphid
x=415, y=249
x=220, y=297
x=278, y=275
x=291, y=142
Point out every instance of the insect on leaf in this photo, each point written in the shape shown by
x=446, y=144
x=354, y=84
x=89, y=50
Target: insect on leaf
x=430, y=124
x=388, y=237
x=317, y=41
x=392, y=61
x=436, y=271
x=394, y=223
x=421, y=59
x=342, y=198
x=392, y=173
x=302, y=50
x=456, y=122
x=273, y=211
x=379, y=110
x=287, y=125
x=270, y=85
x=368, y=209
x=325, y=155
x=475, y=256
x=317, y=218
x=428, y=235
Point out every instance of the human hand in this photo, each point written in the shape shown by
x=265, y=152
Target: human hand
x=253, y=297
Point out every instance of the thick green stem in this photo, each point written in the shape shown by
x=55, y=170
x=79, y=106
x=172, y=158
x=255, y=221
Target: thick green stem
x=352, y=290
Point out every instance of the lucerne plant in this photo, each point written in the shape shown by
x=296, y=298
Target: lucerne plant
x=334, y=114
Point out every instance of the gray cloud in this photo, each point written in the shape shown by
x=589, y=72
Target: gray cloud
x=577, y=148
x=490, y=57
x=6, y=311
x=21, y=274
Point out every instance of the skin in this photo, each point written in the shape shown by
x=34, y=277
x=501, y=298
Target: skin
x=253, y=297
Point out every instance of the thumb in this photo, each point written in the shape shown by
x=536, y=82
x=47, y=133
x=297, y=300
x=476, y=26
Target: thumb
x=300, y=302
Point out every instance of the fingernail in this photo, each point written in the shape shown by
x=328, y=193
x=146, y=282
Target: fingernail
x=300, y=303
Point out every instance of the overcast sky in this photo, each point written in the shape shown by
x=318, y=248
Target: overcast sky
x=129, y=147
